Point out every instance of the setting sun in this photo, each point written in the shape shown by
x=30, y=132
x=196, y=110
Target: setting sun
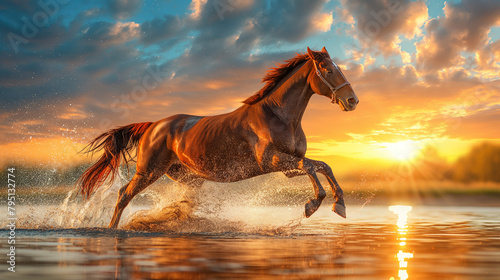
x=403, y=150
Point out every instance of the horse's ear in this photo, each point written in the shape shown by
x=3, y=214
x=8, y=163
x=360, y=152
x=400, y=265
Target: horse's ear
x=323, y=50
x=313, y=55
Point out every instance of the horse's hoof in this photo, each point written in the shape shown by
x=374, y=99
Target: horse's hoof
x=339, y=209
x=310, y=209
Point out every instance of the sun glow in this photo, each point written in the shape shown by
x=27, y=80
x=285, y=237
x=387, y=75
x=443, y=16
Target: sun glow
x=403, y=150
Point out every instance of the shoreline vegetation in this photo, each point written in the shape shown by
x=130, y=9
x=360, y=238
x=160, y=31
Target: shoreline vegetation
x=471, y=180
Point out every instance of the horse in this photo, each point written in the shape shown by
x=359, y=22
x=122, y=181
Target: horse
x=262, y=136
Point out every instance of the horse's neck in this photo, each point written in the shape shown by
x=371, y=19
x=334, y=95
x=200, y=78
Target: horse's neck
x=289, y=100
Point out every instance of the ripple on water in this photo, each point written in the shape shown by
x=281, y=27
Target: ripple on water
x=463, y=244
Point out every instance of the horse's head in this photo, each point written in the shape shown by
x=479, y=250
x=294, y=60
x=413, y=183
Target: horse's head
x=328, y=80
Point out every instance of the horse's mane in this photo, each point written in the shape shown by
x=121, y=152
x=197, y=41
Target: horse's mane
x=275, y=75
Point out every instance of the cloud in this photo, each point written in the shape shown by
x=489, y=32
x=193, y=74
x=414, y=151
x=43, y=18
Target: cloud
x=67, y=59
x=487, y=60
x=159, y=29
x=105, y=34
x=380, y=23
x=464, y=27
x=227, y=33
x=323, y=22
x=395, y=104
x=294, y=20
x=96, y=64
x=122, y=9
x=481, y=123
x=13, y=8
x=290, y=21
x=196, y=7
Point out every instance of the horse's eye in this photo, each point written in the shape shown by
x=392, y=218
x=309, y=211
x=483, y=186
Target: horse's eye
x=329, y=71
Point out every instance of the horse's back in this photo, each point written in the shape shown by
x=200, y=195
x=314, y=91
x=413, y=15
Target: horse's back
x=217, y=147
x=159, y=140
x=166, y=129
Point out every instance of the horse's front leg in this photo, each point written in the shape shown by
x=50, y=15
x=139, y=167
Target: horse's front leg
x=285, y=162
x=325, y=169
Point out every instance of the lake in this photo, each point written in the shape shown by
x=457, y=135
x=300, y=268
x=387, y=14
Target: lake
x=266, y=242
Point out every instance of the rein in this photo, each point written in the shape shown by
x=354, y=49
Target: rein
x=332, y=88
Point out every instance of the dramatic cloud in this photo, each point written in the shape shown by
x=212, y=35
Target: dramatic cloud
x=488, y=61
x=196, y=7
x=97, y=65
x=293, y=20
x=380, y=23
x=464, y=27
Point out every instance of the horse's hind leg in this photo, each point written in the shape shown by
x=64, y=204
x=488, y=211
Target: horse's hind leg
x=181, y=174
x=138, y=183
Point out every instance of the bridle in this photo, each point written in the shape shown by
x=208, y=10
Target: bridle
x=332, y=88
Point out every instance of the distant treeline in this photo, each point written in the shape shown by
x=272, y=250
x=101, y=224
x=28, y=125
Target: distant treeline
x=480, y=164
x=42, y=175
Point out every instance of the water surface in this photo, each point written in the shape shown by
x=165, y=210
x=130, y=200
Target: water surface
x=432, y=243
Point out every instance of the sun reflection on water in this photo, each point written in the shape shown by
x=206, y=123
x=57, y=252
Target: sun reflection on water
x=402, y=212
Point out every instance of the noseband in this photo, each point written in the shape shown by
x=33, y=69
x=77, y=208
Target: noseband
x=332, y=88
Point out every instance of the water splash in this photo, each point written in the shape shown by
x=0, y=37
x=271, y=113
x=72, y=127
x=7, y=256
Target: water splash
x=269, y=206
x=213, y=208
x=96, y=211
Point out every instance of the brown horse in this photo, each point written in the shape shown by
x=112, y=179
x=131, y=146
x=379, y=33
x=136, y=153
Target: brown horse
x=264, y=135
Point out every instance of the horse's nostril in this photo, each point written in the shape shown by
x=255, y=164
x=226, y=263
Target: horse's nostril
x=352, y=101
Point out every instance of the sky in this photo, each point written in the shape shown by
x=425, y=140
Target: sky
x=425, y=72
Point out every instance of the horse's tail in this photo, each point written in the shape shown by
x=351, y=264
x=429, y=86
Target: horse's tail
x=116, y=143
